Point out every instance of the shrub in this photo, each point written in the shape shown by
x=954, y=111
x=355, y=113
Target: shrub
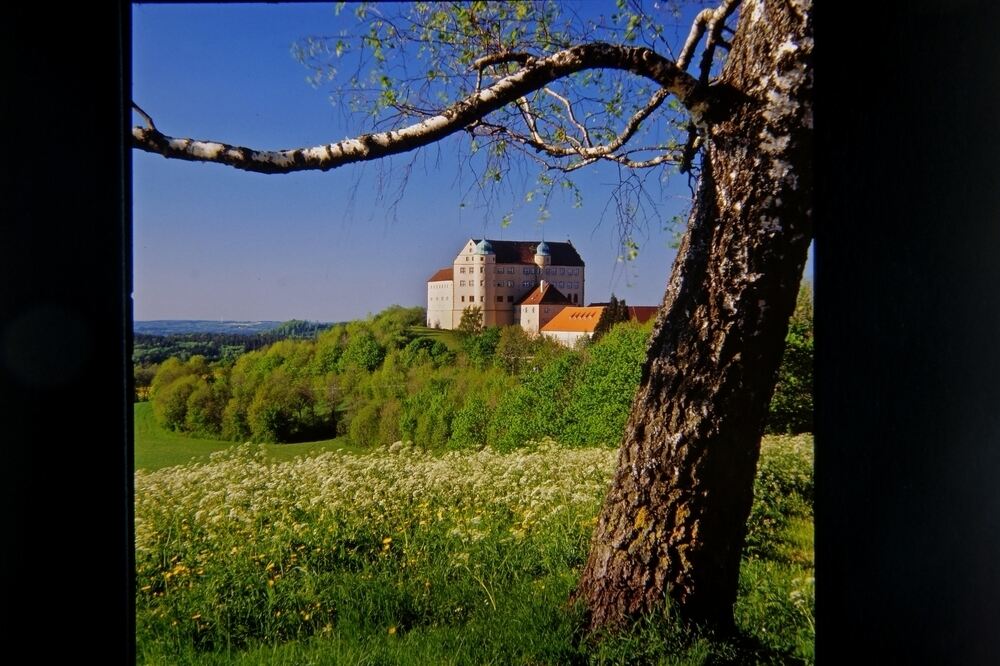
x=607, y=382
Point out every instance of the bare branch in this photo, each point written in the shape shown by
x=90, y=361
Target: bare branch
x=145, y=116
x=699, y=99
x=572, y=116
x=602, y=151
x=529, y=120
x=517, y=139
x=697, y=30
x=712, y=21
x=714, y=29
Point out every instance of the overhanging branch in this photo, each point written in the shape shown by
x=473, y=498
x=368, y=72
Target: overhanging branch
x=699, y=99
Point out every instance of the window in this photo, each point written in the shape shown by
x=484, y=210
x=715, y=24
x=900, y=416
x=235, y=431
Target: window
x=499, y=299
x=562, y=271
x=462, y=269
x=482, y=283
x=480, y=259
x=461, y=283
x=463, y=299
x=510, y=283
x=482, y=298
x=481, y=268
x=510, y=299
x=499, y=283
x=499, y=269
x=526, y=269
x=510, y=269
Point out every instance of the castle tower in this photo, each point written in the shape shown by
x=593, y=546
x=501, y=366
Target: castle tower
x=484, y=259
x=543, y=257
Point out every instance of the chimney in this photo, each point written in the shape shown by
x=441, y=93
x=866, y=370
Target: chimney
x=543, y=285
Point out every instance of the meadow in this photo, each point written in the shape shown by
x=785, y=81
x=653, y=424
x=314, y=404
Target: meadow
x=156, y=447
x=402, y=556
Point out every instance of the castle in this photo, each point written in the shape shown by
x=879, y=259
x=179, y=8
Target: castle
x=513, y=282
x=535, y=285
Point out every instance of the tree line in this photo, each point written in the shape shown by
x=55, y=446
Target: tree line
x=386, y=378
x=149, y=349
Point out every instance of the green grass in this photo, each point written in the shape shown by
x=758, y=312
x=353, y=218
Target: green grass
x=402, y=557
x=449, y=338
x=156, y=448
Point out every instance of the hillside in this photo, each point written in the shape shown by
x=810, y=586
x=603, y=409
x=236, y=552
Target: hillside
x=187, y=326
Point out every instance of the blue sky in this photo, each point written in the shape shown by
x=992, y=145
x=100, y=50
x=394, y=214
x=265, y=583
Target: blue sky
x=211, y=242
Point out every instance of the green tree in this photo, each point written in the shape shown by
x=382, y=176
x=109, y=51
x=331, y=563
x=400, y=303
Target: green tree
x=471, y=322
x=615, y=311
x=683, y=490
x=391, y=327
x=537, y=407
x=170, y=403
x=328, y=350
x=425, y=350
x=482, y=346
x=791, y=408
x=204, y=408
x=143, y=379
x=428, y=414
x=609, y=377
x=284, y=410
x=363, y=351
x=513, y=349
x=470, y=425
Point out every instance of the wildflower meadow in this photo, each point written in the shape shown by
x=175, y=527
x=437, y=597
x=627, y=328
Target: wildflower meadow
x=404, y=556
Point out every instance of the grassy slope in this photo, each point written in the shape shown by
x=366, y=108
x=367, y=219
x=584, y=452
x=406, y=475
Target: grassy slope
x=449, y=338
x=156, y=448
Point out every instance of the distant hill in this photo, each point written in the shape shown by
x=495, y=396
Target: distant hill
x=188, y=326
x=155, y=341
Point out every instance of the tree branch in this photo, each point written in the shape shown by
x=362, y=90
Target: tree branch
x=699, y=99
x=572, y=116
x=711, y=20
x=145, y=116
x=714, y=29
x=499, y=58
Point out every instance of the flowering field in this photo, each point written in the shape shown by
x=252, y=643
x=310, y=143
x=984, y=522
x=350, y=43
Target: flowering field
x=400, y=556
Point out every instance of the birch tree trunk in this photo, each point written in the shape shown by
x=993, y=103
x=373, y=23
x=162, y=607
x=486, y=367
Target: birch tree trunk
x=674, y=521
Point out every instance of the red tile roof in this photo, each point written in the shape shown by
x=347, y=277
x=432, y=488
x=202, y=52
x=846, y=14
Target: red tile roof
x=642, y=313
x=523, y=252
x=574, y=320
x=584, y=320
x=443, y=274
x=549, y=296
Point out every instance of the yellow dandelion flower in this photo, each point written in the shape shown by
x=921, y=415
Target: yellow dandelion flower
x=386, y=541
x=196, y=616
x=392, y=630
